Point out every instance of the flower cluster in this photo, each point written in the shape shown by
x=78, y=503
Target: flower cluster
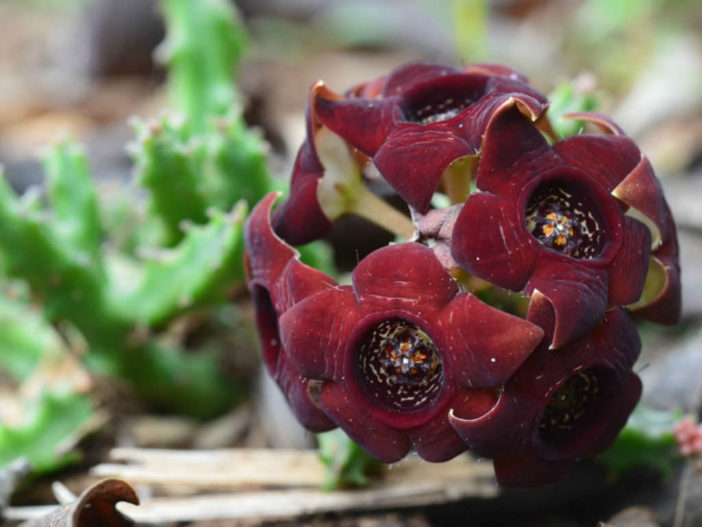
x=573, y=235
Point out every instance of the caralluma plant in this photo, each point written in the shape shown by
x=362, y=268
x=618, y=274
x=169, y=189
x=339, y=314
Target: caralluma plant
x=114, y=273
x=502, y=323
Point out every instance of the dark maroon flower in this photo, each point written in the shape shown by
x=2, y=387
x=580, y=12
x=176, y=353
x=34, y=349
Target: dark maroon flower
x=399, y=348
x=277, y=280
x=423, y=117
x=642, y=193
x=558, y=220
x=560, y=404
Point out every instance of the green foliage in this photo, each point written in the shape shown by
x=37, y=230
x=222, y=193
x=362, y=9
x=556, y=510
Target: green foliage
x=123, y=275
x=74, y=200
x=34, y=248
x=48, y=427
x=168, y=165
x=204, y=45
x=198, y=272
x=347, y=464
x=566, y=98
x=24, y=337
x=122, y=289
x=646, y=440
x=471, y=27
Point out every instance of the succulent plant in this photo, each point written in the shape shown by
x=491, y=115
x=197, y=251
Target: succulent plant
x=573, y=236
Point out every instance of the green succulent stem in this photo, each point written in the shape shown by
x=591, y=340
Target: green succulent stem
x=203, y=47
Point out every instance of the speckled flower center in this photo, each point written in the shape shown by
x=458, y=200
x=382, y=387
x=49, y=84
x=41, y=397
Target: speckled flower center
x=568, y=404
x=439, y=111
x=564, y=223
x=400, y=365
x=435, y=103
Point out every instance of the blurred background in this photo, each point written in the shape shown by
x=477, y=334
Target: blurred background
x=83, y=68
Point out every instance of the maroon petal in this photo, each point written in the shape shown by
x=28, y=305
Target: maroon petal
x=607, y=159
x=520, y=470
x=627, y=272
x=577, y=294
x=627, y=401
x=300, y=219
x=364, y=123
x=485, y=346
x=296, y=388
x=495, y=69
x=498, y=429
x=414, y=158
x=297, y=282
x=437, y=440
x=406, y=271
x=661, y=301
x=488, y=242
x=642, y=191
x=408, y=76
x=513, y=153
x=267, y=254
x=379, y=440
x=274, y=265
x=603, y=122
x=316, y=331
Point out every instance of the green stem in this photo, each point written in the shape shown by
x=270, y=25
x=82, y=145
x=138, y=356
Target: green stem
x=456, y=179
x=371, y=207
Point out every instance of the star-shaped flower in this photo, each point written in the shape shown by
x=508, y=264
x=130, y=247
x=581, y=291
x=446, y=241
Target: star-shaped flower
x=560, y=404
x=575, y=221
x=399, y=348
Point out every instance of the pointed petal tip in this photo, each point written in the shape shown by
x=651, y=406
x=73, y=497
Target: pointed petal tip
x=602, y=121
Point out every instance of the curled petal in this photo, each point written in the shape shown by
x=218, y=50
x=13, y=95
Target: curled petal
x=628, y=398
x=642, y=191
x=379, y=440
x=627, y=272
x=607, y=159
x=487, y=242
x=495, y=69
x=315, y=336
x=414, y=158
x=577, y=294
x=436, y=440
x=499, y=429
x=505, y=169
x=267, y=253
x=407, y=271
x=661, y=299
x=364, y=123
x=296, y=388
x=300, y=219
x=274, y=265
x=485, y=345
x=603, y=122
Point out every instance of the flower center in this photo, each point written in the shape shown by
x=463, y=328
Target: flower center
x=440, y=111
x=443, y=98
x=563, y=223
x=400, y=365
x=568, y=404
